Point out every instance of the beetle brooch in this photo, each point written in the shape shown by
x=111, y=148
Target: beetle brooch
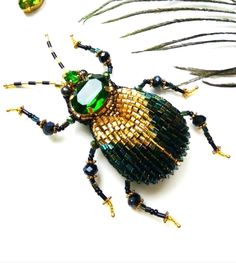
x=142, y=135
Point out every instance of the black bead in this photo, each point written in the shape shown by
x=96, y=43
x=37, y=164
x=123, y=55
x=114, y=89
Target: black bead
x=66, y=91
x=103, y=56
x=199, y=120
x=90, y=169
x=32, y=82
x=157, y=82
x=17, y=83
x=134, y=200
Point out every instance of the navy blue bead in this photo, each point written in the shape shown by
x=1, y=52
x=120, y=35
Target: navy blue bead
x=90, y=169
x=134, y=200
x=157, y=82
x=199, y=120
x=48, y=128
x=103, y=56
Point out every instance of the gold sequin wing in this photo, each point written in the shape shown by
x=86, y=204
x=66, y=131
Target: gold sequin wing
x=143, y=136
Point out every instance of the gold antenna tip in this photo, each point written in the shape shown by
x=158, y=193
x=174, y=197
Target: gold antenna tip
x=170, y=218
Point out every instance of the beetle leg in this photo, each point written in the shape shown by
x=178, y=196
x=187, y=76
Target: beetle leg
x=91, y=170
x=159, y=83
x=136, y=202
x=200, y=122
x=103, y=56
x=20, y=84
x=48, y=127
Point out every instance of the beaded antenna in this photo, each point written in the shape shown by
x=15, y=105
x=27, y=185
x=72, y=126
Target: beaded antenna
x=142, y=135
x=28, y=6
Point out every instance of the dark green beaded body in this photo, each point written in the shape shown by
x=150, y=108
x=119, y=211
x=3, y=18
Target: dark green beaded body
x=142, y=135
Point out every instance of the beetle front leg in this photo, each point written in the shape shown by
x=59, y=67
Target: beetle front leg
x=136, y=202
x=103, y=56
x=159, y=83
x=91, y=170
x=200, y=122
x=48, y=127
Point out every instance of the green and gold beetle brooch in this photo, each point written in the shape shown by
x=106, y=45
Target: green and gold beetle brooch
x=142, y=135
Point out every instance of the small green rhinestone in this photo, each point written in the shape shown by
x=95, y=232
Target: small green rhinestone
x=72, y=76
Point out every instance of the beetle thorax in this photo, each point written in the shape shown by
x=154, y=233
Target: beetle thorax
x=86, y=93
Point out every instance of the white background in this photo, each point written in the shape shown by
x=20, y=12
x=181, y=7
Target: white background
x=48, y=210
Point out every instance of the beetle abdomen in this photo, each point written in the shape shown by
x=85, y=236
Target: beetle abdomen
x=143, y=136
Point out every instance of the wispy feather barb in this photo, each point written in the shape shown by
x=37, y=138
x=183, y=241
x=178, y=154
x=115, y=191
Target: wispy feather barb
x=220, y=85
x=99, y=10
x=181, y=20
x=173, y=9
x=170, y=44
x=205, y=73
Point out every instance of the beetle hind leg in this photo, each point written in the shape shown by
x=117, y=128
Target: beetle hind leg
x=91, y=170
x=200, y=122
x=136, y=202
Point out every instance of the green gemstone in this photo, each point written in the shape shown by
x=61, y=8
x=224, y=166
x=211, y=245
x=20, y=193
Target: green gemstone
x=72, y=77
x=90, y=95
x=28, y=3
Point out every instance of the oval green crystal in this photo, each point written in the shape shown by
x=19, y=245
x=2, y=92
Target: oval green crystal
x=90, y=95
